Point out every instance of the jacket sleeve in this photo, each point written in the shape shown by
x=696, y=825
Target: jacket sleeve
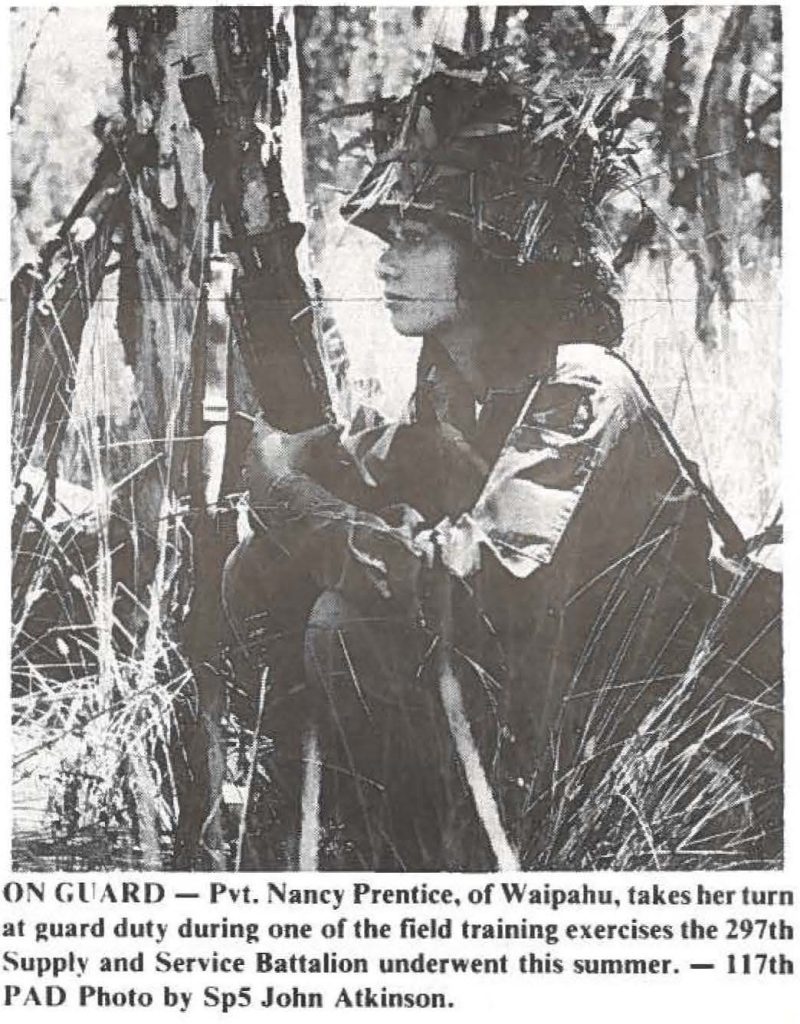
x=567, y=428
x=563, y=437
x=364, y=554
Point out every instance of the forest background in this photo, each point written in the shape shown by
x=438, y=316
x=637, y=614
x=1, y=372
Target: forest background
x=697, y=241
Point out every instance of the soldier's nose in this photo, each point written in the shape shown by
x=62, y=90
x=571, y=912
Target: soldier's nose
x=387, y=267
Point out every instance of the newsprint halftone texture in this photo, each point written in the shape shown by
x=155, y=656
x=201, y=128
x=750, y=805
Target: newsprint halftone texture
x=396, y=438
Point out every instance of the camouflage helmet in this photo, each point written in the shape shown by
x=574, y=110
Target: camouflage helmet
x=521, y=163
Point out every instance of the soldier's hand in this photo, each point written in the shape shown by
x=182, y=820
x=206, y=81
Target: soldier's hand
x=273, y=453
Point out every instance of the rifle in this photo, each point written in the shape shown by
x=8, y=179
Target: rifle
x=269, y=305
x=254, y=284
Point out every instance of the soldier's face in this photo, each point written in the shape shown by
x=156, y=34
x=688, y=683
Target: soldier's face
x=419, y=272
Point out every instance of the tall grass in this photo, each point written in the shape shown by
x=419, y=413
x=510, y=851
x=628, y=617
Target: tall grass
x=96, y=668
x=695, y=784
x=98, y=672
x=680, y=791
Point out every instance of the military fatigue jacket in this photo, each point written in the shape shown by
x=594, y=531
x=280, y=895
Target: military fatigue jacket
x=564, y=517
x=572, y=542
x=552, y=485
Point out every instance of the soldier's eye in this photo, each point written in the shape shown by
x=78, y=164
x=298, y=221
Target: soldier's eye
x=410, y=234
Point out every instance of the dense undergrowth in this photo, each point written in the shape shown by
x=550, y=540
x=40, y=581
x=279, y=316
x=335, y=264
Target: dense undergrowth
x=101, y=691
x=101, y=688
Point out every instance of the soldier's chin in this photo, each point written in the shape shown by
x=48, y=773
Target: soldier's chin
x=406, y=320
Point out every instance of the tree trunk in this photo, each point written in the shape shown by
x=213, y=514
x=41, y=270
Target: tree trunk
x=716, y=149
x=219, y=88
x=167, y=246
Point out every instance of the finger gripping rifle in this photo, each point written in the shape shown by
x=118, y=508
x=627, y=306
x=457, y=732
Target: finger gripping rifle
x=270, y=307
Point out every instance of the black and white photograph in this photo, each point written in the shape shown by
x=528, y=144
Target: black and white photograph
x=396, y=438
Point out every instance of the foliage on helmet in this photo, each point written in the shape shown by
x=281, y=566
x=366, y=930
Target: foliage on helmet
x=513, y=145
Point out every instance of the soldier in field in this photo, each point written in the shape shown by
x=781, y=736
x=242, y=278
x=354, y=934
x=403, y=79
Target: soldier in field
x=480, y=614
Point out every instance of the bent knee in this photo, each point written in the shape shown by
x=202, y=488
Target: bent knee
x=258, y=578
x=331, y=612
x=325, y=642
x=364, y=659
